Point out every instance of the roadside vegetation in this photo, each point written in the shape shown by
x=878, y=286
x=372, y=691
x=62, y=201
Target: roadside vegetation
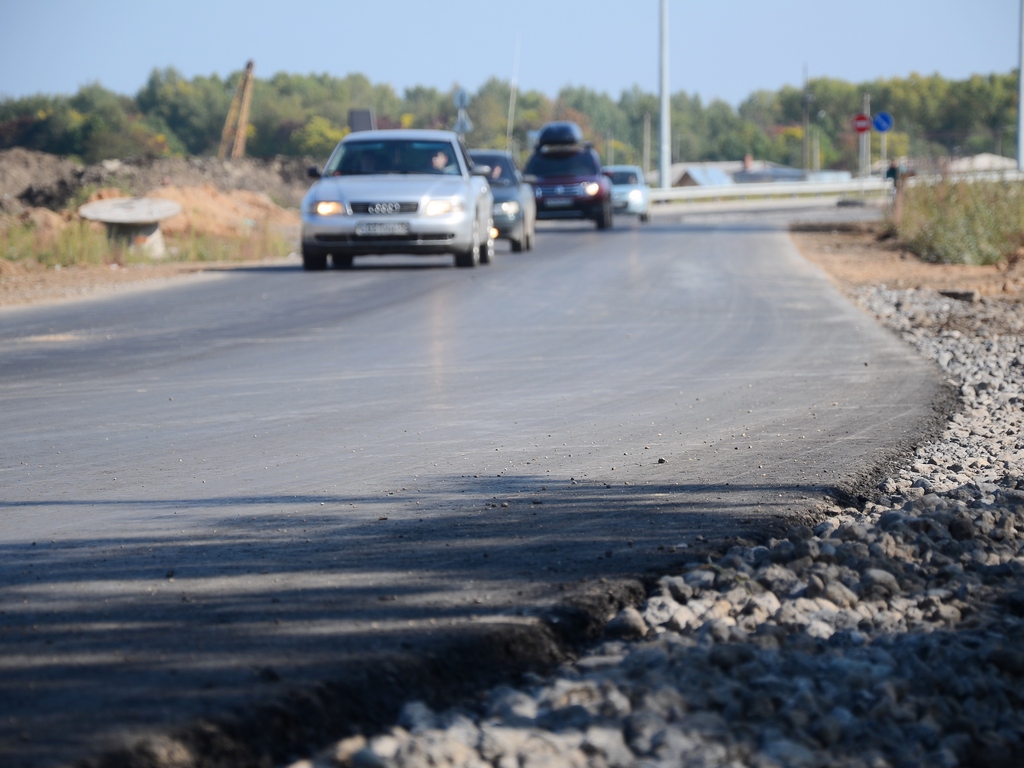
x=56, y=245
x=63, y=240
x=963, y=222
x=300, y=115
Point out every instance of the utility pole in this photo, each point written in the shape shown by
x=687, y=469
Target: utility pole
x=512, y=99
x=647, y=141
x=807, y=99
x=865, y=139
x=664, y=165
x=1020, y=95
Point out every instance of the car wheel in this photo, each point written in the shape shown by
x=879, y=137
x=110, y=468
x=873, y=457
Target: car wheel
x=313, y=262
x=604, y=219
x=644, y=218
x=517, y=245
x=470, y=257
x=341, y=262
x=530, y=237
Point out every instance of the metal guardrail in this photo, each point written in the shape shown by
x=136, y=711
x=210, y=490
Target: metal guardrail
x=858, y=187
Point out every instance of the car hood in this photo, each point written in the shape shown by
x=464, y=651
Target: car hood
x=386, y=188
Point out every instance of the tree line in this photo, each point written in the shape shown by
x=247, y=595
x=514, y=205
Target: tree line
x=306, y=115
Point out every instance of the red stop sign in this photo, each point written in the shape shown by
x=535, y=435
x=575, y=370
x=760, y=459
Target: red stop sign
x=862, y=123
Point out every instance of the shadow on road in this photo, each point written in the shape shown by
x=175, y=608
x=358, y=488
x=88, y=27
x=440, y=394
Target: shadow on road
x=272, y=592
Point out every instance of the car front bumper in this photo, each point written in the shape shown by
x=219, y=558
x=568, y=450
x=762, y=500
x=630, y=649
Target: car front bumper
x=576, y=208
x=340, y=235
x=625, y=204
x=509, y=225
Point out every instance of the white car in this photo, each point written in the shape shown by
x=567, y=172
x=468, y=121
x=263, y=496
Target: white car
x=630, y=193
x=402, y=191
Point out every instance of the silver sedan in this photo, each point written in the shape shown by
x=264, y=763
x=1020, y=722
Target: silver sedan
x=630, y=193
x=402, y=191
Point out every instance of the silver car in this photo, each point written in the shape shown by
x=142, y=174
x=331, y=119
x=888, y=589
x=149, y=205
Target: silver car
x=402, y=191
x=630, y=193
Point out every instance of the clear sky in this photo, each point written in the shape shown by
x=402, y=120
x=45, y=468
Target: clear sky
x=719, y=48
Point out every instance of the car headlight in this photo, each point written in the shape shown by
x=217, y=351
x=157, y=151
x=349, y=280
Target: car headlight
x=592, y=188
x=510, y=208
x=441, y=207
x=636, y=195
x=329, y=208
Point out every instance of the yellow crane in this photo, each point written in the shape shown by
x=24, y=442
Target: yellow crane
x=238, y=117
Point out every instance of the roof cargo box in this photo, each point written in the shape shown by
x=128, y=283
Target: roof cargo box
x=561, y=132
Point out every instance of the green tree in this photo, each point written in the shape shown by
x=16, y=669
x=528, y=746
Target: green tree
x=318, y=137
x=193, y=111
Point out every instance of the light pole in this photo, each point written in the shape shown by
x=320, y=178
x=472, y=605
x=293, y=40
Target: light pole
x=816, y=152
x=664, y=159
x=1020, y=94
x=647, y=143
x=806, y=100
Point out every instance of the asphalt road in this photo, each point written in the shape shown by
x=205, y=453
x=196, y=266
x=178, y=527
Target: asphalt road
x=243, y=482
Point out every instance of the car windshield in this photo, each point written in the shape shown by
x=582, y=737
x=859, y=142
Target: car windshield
x=502, y=173
x=575, y=164
x=623, y=177
x=385, y=156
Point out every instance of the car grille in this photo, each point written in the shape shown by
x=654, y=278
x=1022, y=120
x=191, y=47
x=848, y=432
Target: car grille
x=384, y=209
x=560, y=190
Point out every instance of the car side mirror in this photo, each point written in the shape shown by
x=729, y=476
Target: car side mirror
x=313, y=172
x=606, y=173
x=481, y=170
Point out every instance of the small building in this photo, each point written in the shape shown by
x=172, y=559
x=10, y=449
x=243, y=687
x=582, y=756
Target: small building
x=766, y=172
x=985, y=162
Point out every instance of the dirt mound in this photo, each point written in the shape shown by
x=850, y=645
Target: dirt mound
x=23, y=169
x=37, y=179
x=206, y=210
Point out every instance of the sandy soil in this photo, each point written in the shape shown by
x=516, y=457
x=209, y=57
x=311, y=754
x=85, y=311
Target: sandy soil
x=855, y=256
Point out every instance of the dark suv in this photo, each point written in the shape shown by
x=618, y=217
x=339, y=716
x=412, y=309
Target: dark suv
x=567, y=178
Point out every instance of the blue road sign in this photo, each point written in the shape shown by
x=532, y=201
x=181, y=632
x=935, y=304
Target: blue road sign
x=883, y=122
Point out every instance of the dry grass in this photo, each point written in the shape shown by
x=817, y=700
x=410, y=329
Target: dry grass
x=963, y=222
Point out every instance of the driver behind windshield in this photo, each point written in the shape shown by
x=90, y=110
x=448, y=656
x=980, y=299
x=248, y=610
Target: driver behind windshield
x=443, y=162
x=362, y=158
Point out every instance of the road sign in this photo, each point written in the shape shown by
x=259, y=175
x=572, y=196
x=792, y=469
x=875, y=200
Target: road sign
x=862, y=123
x=461, y=98
x=883, y=122
x=463, y=124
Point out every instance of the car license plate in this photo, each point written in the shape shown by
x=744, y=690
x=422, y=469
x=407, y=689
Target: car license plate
x=558, y=202
x=383, y=228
